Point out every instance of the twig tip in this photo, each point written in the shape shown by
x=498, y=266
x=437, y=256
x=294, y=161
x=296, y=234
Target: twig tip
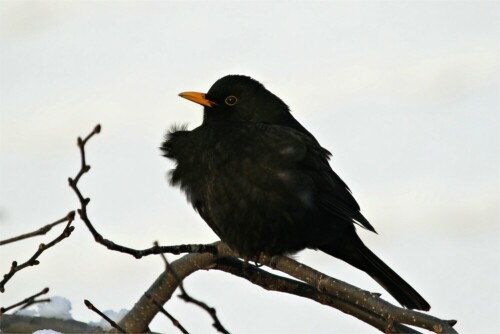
x=71, y=216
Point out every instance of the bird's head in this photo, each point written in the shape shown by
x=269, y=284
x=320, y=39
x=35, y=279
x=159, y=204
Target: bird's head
x=240, y=98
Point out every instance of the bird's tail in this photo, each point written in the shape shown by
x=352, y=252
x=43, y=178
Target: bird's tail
x=364, y=259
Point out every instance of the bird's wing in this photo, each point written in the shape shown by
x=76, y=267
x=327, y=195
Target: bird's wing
x=303, y=163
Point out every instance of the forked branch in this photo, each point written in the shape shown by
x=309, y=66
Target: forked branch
x=309, y=283
x=82, y=211
x=26, y=302
x=32, y=261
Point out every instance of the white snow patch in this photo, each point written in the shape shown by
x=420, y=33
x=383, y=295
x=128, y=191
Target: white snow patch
x=46, y=331
x=58, y=307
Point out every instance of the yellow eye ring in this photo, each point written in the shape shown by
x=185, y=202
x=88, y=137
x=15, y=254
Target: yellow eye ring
x=231, y=100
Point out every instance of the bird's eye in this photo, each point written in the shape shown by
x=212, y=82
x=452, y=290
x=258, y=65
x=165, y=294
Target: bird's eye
x=231, y=100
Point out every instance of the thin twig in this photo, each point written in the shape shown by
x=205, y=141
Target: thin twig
x=175, y=322
x=187, y=298
x=73, y=183
x=40, y=231
x=26, y=302
x=210, y=310
x=162, y=255
x=41, y=248
x=36, y=301
x=105, y=317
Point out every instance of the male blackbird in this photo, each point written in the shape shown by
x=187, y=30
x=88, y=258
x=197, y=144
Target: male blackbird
x=262, y=182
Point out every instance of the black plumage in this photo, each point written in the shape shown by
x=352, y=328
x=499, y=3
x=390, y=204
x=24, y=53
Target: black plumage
x=263, y=183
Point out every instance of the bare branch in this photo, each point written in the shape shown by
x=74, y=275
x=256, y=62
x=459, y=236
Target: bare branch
x=105, y=317
x=175, y=322
x=163, y=257
x=285, y=285
x=187, y=298
x=41, y=248
x=26, y=302
x=73, y=183
x=210, y=310
x=364, y=305
x=36, y=301
x=357, y=296
x=40, y=231
x=274, y=282
x=143, y=312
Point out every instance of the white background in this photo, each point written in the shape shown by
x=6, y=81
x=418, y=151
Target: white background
x=405, y=94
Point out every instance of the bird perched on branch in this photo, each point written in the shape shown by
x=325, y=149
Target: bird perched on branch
x=263, y=183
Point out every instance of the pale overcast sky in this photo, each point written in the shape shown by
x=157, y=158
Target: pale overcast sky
x=404, y=93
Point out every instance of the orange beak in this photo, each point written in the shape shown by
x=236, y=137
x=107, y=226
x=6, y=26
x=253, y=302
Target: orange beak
x=197, y=98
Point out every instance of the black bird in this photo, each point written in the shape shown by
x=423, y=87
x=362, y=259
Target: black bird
x=263, y=183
